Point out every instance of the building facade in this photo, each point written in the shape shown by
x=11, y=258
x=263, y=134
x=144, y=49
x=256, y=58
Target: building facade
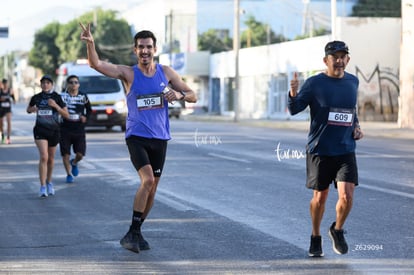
x=265, y=72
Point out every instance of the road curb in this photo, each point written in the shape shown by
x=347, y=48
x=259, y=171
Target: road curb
x=370, y=128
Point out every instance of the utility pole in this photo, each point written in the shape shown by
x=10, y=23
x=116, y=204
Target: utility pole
x=406, y=100
x=305, y=16
x=333, y=19
x=4, y=33
x=236, y=47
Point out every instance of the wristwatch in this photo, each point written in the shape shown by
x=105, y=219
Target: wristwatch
x=183, y=94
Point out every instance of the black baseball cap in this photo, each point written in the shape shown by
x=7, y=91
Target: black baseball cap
x=46, y=77
x=336, y=46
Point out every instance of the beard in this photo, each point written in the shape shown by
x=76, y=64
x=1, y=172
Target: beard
x=145, y=59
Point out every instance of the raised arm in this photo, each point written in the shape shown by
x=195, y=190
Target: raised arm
x=112, y=70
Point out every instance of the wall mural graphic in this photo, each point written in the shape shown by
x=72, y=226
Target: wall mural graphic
x=378, y=94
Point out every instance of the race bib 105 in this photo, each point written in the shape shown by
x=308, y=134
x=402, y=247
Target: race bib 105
x=152, y=101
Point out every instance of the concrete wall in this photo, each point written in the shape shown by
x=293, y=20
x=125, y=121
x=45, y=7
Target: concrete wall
x=406, y=114
x=266, y=71
x=375, y=59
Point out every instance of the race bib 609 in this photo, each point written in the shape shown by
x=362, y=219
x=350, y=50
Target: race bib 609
x=341, y=117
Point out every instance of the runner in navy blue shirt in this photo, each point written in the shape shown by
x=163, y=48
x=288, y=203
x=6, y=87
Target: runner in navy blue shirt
x=334, y=128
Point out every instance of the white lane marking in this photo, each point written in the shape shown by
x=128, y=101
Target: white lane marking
x=171, y=200
x=387, y=191
x=229, y=158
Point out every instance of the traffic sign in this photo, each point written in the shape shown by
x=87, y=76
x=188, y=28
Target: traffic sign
x=4, y=32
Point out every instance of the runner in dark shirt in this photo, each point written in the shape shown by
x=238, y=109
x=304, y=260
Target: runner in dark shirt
x=72, y=130
x=48, y=106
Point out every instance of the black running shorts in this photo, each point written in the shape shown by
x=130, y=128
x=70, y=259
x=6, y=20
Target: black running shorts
x=321, y=171
x=70, y=138
x=51, y=135
x=144, y=151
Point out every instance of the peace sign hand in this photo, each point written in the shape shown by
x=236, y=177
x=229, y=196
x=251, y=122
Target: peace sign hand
x=86, y=34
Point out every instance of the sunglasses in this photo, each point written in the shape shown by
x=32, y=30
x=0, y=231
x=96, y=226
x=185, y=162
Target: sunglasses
x=73, y=82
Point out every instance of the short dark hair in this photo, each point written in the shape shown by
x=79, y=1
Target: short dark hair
x=143, y=35
x=70, y=77
x=4, y=81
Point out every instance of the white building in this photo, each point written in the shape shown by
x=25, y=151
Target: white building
x=265, y=71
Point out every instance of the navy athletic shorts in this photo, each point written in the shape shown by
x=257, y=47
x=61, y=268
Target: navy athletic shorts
x=321, y=171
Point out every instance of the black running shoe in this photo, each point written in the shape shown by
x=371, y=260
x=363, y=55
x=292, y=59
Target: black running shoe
x=315, y=249
x=339, y=244
x=131, y=241
x=143, y=244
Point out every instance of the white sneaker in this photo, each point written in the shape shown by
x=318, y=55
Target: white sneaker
x=42, y=192
x=50, y=189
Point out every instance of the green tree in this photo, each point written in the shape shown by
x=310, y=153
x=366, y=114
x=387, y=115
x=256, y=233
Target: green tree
x=113, y=37
x=258, y=34
x=57, y=43
x=6, y=69
x=215, y=41
x=45, y=53
x=377, y=8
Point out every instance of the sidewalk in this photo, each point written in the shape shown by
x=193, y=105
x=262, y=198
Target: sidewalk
x=370, y=128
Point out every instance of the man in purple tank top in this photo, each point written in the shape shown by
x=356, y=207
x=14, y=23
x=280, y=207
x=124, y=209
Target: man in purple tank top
x=149, y=87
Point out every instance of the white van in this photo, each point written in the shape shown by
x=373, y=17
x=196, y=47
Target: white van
x=107, y=95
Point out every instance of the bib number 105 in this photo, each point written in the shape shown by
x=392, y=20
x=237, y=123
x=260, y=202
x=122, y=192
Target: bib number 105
x=150, y=102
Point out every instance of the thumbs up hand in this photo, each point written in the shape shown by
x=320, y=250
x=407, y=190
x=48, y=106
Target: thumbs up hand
x=294, y=85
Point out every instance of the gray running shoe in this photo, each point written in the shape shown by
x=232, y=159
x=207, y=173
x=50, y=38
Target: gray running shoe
x=339, y=244
x=131, y=241
x=315, y=249
x=143, y=244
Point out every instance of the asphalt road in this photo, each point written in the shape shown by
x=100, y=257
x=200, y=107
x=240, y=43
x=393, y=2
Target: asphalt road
x=231, y=200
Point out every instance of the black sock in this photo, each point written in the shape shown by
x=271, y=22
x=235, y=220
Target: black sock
x=136, y=221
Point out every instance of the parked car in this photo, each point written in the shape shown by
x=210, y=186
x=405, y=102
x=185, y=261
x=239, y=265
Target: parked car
x=174, y=110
